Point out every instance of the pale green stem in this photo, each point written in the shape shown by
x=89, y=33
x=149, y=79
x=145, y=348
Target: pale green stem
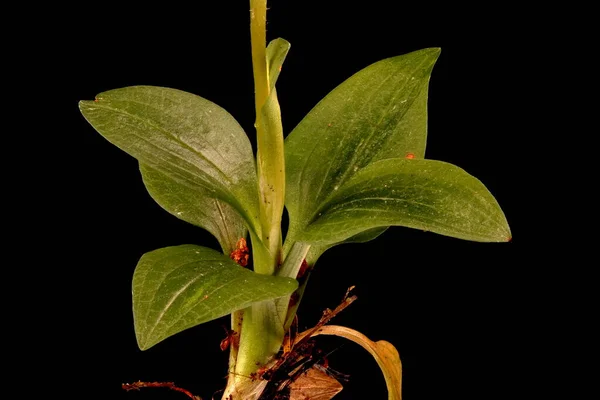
x=261, y=331
x=270, y=161
x=262, y=326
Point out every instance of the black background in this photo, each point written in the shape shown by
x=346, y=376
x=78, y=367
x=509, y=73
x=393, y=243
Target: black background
x=450, y=307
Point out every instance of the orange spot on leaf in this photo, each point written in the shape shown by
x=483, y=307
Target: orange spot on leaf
x=410, y=156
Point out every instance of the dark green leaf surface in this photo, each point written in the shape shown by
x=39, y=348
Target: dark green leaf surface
x=422, y=194
x=366, y=236
x=182, y=135
x=197, y=206
x=179, y=287
x=378, y=113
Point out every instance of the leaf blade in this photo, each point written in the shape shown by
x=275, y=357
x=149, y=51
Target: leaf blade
x=179, y=287
x=423, y=194
x=182, y=135
x=196, y=206
x=277, y=51
x=378, y=113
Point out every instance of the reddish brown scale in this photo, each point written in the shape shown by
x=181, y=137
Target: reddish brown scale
x=224, y=345
x=303, y=269
x=410, y=156
x=294, y=299
x=260, y=373
x=241, y=254
x=230, y=339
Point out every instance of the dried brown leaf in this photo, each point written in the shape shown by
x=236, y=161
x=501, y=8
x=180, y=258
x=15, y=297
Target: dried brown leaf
x=384, y=353
x=314, y=384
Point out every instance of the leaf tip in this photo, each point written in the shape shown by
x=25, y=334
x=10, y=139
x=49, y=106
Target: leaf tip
x=507, y=234
x=433, y=53
x=85, y=106
x=282, y=43
x=143, y=341
x=85, y=103
x=292, y=284
x=504, y=234
x=285, y=286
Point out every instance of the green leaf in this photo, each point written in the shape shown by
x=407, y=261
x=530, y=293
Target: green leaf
x=362, y=237
x=378, y=113
x=195, y=205
x=276, y=53
x=179, y=287
x=270, y=158
x=422, y=194
x=182, y=135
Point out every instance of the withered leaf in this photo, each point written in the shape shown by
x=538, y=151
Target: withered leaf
x=384, y=353
x=314, y=384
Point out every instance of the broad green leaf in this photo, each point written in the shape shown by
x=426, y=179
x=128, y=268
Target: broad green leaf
x=378, y=113
x=179, y=287
x=182, y=135
x=422, y=194
x=362, y=237
x=195, y=205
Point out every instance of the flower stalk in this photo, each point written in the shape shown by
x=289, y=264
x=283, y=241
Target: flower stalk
x=262, y=331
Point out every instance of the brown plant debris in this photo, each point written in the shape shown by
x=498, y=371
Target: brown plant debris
x=232, y=338
x=299, y=356
x=241, y=254
x=314, y=384
x=169, y=385
x=288, y=339
x=328, y=315
x=383, y=352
